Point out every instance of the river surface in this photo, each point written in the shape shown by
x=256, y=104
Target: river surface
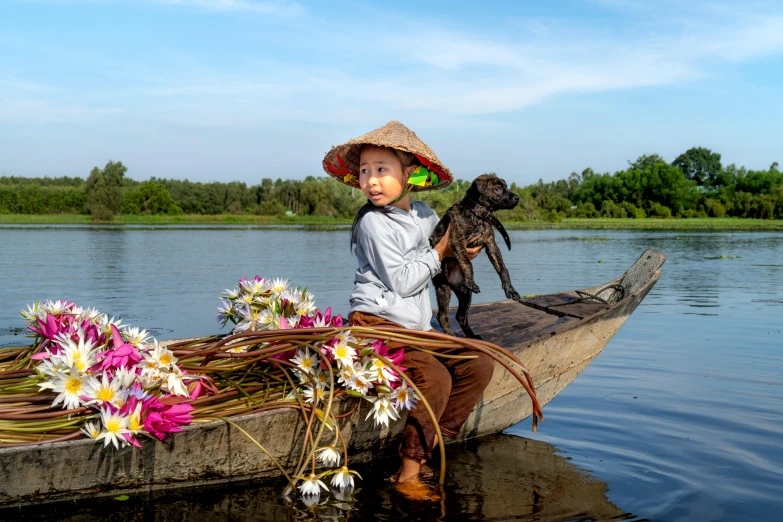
x=679, y=418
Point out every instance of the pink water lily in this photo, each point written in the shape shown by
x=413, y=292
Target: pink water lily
x=123, y=355
x=163, y=419
x=49, y=330
x=395, y=356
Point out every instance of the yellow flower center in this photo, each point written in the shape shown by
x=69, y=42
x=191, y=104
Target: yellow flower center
x=79, y=364
x=135, y=423
x=113, y=425
x=105, y=394
x=73, y=385
x=165, y=358
x=402, y=395
x=341, y=351
x=307, y=363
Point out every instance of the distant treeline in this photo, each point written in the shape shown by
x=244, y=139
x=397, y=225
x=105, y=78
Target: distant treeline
x=695, y=184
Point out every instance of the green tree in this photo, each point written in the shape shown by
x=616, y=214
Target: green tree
x=646, y=160
x=104, y=191
x=699, y=164
x=149, y=198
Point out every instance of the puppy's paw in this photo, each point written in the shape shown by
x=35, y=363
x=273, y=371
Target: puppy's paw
x=513, y=295
x=472, y=286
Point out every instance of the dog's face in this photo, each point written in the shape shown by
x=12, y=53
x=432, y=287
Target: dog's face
x=492, y=192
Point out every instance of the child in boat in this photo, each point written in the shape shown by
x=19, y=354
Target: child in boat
x=396, y=262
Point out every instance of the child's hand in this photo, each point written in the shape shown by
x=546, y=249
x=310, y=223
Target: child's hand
x=472, y=252
x=443, y=249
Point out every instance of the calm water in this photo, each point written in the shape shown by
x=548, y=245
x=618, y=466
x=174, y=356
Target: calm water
x=679, y=418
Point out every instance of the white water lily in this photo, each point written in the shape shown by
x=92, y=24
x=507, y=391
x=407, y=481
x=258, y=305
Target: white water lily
x=91, y=430
x=305, y=308
x=343, y=353
x=254, y=286
x=322, y=379
x=225, y=312
x=245, y=300
x=345, y=337
x=175, y=382
x=134, y=420
x=31, y=314
x=345, y=374
x=124, y=376
x=150, y=378
x=305, y=360
x=382, y=373
x=230, y=294
x=248, y=320
x=312, y=486
x=343, y=479
x=104, y=324
x=89, y=314
x=329, y=456
x=81, y=354
x=55, y=308
x=49, y=368
x=360, y=381
x=104, y=391
x=262, y=301
x=161, y=356
x=382, y=410
x=268, y=320
x=115, y=427
x=70, y=386
x=279, y=285
x=291, y=296
x=316, y=394
x=404, y=397
x=136, y=336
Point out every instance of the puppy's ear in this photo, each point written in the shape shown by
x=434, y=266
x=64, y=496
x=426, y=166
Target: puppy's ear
x=478, y=187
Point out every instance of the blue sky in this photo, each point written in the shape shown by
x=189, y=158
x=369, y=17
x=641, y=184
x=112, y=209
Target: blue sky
x=244, y=89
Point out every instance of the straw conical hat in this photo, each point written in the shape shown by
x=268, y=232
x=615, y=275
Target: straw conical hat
x=342, y=162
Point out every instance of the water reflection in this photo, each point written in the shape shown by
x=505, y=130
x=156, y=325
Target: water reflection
x=503, y=477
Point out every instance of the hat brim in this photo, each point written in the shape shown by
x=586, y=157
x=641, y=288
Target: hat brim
x=342, y=161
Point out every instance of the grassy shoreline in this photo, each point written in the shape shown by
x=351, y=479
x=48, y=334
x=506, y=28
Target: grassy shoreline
x=714, y=224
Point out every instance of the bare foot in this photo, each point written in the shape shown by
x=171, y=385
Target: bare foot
x=415, y=489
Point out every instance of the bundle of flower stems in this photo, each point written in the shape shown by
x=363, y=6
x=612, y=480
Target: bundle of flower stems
x=243, y=382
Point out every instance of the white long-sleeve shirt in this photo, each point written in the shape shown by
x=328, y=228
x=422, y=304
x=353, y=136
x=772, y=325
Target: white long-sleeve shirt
x=396, y=264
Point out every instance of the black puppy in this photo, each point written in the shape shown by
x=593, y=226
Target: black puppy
x=468, y=218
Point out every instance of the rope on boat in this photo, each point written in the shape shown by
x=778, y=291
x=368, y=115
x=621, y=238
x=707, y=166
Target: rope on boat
x=585, y=296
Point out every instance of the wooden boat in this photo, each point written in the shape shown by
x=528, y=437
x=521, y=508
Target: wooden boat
x=555, y=335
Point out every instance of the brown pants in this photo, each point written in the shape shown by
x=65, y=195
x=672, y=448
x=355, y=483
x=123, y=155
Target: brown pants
x=452, y=388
